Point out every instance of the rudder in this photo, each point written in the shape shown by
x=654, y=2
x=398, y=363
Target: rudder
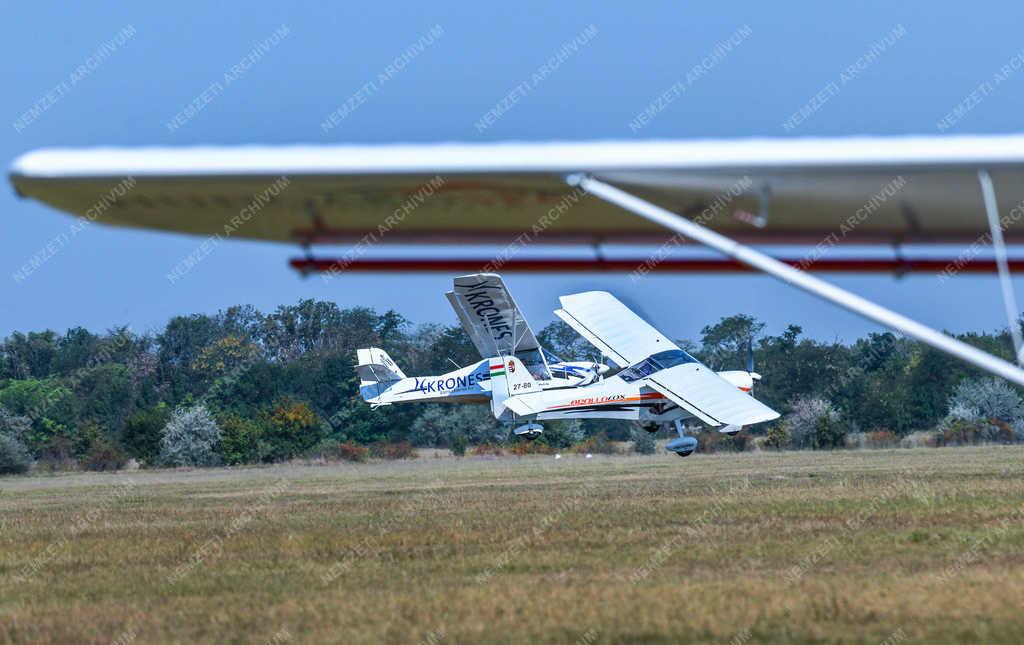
x=376, y=372
x=509, y=378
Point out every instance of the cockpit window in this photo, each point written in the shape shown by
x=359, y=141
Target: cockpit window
x=656, y=363
x=672, y=357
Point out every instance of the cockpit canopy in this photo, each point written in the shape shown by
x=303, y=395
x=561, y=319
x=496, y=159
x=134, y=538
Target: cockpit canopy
x=656, y=363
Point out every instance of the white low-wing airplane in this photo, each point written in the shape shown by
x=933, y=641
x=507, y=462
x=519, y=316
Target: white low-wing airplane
x=659, y=382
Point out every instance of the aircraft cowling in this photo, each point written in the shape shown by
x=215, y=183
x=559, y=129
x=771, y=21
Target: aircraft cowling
x=742, y=379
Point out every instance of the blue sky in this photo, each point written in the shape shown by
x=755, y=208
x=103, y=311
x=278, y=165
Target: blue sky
x=108, y=276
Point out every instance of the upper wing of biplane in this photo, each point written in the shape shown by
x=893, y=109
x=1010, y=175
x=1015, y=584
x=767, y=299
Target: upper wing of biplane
x=652, y=358
x=490, y=316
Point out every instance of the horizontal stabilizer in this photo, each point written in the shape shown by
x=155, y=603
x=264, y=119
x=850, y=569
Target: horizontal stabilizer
x=521, y=406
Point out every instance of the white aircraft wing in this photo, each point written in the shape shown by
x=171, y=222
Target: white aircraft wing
x=865, y=190
x=612, y=327
x=628, y=339
x=706, y=395
x=920, y=189
x=490, y=316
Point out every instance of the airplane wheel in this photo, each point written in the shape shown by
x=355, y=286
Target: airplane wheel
x=652, y=427
x=685, y=454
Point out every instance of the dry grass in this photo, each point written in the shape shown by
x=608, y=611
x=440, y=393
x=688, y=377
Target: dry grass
x=802, y=547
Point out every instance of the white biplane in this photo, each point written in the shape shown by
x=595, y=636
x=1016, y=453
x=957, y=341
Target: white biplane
x=659, y=382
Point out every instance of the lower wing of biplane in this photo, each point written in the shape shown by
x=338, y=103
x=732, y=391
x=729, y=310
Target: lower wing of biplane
x=718, y=193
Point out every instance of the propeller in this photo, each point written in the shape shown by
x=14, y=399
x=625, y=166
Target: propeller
x=754, y=376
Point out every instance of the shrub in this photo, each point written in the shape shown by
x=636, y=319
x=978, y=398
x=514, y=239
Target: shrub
x=457, y=444
x=293, y=428
x=488, y=450
x=1018, y=430
x=50, y=405
x=708, y=441
x=814, y=423
x=990, y=398
x=741, y=441
x=522, y=448
x=14, y=456
x=437, y=425
x=352, y=451
x=961, y=432
x=777, y=436
x=345, y=451
x=920, y=439
x=562, y=434
x=399, y=450
x=104, y=455
x=190, y=438
x=242, y=440
x=598, y=444
x=15, y=425
x=879, y=439
x=643, y=442
x=58, y=454
x=142, y=432
x=986, y=411
x=88, y=433
x=829, y=432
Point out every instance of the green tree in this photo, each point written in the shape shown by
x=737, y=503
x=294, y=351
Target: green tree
x=51, y=407
x=30, y=355
x=14, y=456
x=777, y=436
x=142, y=432
x=437, y=424
x=643, y=442
x=829, y=432
x=105, y=394
x=190, y=438
x=292, y=429
x=725, y=343
x=563, y=341
x=243, y=440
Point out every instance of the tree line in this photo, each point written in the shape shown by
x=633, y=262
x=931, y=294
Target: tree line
x=243, y=386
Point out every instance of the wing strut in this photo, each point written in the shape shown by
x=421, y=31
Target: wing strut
x=800, y=279
x=988, y=192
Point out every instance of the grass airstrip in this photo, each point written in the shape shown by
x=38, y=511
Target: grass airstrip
x=923, y=545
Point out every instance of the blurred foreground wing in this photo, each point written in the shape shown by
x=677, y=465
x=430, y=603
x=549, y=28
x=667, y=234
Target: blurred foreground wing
x=921, y=189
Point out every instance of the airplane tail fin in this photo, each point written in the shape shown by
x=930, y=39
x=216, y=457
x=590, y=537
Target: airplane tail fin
x=376, y=372
x=509, y=378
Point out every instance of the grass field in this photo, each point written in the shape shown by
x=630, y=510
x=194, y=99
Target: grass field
x=872, y=546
